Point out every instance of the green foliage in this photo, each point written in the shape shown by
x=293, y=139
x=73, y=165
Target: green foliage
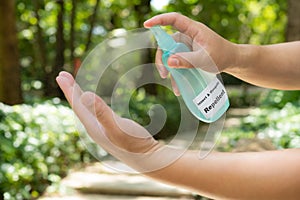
x=279, y=99
x=39, y=144
x=140, y=110
x=276, y=118
x=255, y=21
x=144, y=106
x=245, y=96
x=231, y=136
x=279, y=124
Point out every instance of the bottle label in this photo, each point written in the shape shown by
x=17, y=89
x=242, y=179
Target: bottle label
x=211, y=99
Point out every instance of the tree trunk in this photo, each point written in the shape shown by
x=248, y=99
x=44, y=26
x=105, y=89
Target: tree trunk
x=293, y=27
x=41, y=46
x=10, y=75
x=142, y=10
x=72, y=29
x=92, y=24
x=52, y=89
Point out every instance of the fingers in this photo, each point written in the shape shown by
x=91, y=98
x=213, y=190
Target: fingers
x=122, y=133
x=70, y=89
x=174, y=87
x=178, y=21
x=183, y=38
x=179, y=37
x=196, y=59
x=92, y=102
x=99, y=109
x=163, y=72
x=67, y=75
x=66, y=83
x=182, y=60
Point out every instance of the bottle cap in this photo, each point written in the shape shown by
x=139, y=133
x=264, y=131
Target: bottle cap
x=164, y=40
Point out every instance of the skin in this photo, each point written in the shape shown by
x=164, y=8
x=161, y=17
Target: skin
x=264, y=175
x=258, y=175
x=272, y=66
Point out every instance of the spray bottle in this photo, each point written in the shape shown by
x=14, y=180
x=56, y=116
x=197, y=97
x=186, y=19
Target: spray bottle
x=202, y=92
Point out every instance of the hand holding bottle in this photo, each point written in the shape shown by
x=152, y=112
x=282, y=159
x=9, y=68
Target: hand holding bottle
x=202, y=92
x=273, y=66
x=209, y=51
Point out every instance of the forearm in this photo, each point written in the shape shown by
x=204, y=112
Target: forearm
x=264, y=175
x=272, y=66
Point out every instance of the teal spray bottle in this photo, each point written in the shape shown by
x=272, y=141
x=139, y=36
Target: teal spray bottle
x=202, y=92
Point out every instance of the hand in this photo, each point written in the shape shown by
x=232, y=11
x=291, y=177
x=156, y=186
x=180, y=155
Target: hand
x=209, y=51
x=123, y=138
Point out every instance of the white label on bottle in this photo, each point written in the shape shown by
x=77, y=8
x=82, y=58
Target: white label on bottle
x=211, y=99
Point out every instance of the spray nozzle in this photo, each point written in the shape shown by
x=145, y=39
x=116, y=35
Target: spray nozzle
x=164, y=40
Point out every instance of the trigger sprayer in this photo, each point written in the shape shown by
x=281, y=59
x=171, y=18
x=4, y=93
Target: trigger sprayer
x=203, y=93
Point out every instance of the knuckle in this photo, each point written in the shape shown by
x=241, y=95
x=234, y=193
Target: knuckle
x=99, y=114
x=175, y=14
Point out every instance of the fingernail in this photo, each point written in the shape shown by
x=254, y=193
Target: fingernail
x=177, y=94
x=147, y=21
x=173, y=62
x=162, y=74
x=60, y=79
x=63, y=74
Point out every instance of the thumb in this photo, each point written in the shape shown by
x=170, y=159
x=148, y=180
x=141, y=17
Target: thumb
x=180, y=60
x=195, y=59
x=98, y=108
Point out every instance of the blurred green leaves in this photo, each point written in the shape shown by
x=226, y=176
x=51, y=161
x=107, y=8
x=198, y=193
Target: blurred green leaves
x=276, y=117
x=39, y=143
x=254, y=21
x=281, y=125
x=140, y=110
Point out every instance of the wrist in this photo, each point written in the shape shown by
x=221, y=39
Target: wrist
x=229, y=58
x=243, y=56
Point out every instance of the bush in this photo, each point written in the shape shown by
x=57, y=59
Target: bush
x=277, y=119
x=140, y=110
x=278, y=99
x=280, y=125
x=39, y=143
